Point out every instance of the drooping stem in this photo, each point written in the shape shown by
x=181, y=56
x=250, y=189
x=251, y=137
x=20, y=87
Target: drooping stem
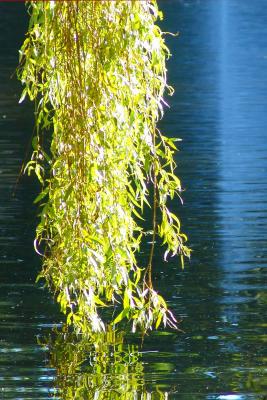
x=148, y=273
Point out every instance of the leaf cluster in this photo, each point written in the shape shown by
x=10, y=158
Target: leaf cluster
x=97, y=74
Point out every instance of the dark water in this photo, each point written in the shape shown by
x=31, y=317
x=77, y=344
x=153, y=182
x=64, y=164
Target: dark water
x=219, y=70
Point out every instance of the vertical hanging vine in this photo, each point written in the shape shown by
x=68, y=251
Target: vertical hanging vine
x=96, y=71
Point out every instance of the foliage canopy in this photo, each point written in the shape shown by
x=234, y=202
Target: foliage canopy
x=96, y=72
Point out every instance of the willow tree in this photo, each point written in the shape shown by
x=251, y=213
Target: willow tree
x=96, y=72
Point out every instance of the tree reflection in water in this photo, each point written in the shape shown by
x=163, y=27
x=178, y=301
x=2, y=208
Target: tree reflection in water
x=100, y=366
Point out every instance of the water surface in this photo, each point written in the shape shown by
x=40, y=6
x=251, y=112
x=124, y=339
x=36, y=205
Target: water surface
x=219, y=69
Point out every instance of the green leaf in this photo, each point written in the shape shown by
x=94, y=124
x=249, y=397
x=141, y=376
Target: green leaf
x=122, y=315
x=41, y=195
x=23, y=95
x=35, y=143
x=159, y=319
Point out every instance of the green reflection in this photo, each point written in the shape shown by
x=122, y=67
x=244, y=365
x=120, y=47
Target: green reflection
x=99, y=366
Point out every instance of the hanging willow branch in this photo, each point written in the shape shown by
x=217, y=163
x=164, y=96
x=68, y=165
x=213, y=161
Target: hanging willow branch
x=96, y=71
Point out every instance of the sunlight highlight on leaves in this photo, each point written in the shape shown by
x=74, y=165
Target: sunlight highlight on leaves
x=96, y=72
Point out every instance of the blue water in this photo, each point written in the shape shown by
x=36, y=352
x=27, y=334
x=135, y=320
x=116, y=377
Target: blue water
x=218, y=69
